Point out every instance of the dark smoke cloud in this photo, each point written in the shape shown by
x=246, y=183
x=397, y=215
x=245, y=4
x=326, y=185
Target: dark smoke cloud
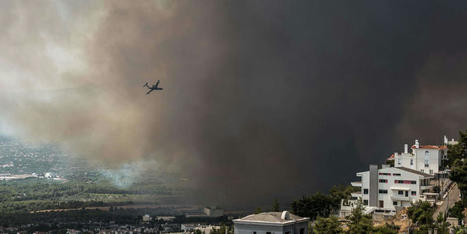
x=262, y=99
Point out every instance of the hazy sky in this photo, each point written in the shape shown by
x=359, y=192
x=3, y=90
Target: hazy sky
x=261, y=99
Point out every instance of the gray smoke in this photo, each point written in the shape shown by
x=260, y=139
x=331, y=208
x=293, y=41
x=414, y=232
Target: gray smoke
x=261, y=99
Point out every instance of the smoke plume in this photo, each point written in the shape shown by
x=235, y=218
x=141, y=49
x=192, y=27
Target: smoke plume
x=261, y=99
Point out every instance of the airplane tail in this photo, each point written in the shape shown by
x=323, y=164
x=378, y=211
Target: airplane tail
x=145, y=85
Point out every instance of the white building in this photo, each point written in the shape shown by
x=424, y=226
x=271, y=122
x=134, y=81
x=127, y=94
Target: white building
x=271, y=223
x=147, y=218
x=383, y=190
x=213, y=211
x=423, y=158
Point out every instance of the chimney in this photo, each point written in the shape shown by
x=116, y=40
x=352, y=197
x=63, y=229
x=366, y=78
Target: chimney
x=406, y=148
x=445, y=140
x=417, y=144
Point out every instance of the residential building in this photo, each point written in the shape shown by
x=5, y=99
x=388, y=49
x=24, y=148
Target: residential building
x=271, y=223
x=383, y=190
x=424, y=158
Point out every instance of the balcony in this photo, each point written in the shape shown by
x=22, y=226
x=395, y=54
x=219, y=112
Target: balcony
x=400, y=198
x=356, y=183
x=356, y=194
x=424, y=187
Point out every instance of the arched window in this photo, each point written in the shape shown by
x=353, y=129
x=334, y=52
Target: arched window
x=427, y=158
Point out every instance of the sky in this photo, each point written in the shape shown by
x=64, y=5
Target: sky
x=261, y=100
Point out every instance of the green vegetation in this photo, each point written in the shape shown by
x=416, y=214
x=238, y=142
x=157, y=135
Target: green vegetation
x=458, y=164
x=321, y=205
x=33, y=194
x=327, y=225
x=360, y=223
x=421, y=213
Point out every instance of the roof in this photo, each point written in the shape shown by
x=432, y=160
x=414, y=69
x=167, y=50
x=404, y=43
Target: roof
x=414, y=171
x=430, y=147
x=271, y=218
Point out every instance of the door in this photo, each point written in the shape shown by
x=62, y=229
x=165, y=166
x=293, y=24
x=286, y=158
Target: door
x=381, y=204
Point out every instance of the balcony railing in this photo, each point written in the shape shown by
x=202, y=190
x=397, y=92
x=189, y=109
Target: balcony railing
x=356, y=183
x=400, y=198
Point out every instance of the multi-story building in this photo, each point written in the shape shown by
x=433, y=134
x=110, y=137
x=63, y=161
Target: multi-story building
x=424, y=158
x=271, y=223
x=384, y=189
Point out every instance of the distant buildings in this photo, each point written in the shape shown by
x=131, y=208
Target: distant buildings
x=271, y=223
x=384, y=190
x=147, y=218
x=213, y=211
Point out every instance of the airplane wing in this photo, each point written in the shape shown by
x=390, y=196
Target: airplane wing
x=149, y=91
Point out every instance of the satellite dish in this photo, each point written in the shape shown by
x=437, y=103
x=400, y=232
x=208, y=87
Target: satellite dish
x=285, y=215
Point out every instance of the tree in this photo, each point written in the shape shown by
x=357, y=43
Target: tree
x=386, y=229
x=359, y=222
x=320, y=204
x=337, y=193
x=457, y=211
x=327, y=225
x=421, y=213
x=316, y=205
x=441, y=224
x=458, y=163
x=275, y=206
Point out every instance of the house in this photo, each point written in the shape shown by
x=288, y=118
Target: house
x=383, y=190
x=271, y=223
x=424, y=158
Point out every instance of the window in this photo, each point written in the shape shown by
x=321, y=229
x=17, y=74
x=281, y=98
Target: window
x=422, y=170
x=268, y=232
x=394, y=203
x=405, y=182
x=384, y=173
x=413, y=193
x=427, y=158
x=383, y=180
x=400, y=192
x=396, y=174
x=381, y=204
x=365, y=202
x=398, y=161
x=302, y=230
x=365, y=191
x=431, y=171
x=411, y=162
x=383, y=191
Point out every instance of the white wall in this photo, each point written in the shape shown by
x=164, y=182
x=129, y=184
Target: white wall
x=240, y=228
x=386, y=198
x=434, y=160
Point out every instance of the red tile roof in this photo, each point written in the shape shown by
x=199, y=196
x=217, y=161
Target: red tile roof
x=430, y=147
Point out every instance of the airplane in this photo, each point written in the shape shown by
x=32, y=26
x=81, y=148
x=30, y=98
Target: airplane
x=152, y=88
